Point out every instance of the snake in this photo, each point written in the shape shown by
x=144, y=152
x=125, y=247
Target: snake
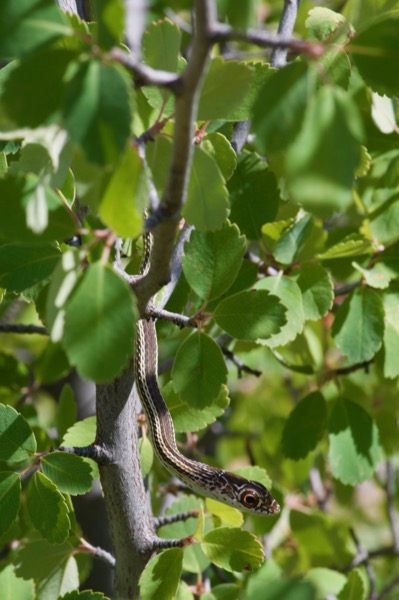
x=212, y=482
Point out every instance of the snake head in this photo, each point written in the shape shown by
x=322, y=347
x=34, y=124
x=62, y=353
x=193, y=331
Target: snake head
x=248, y=496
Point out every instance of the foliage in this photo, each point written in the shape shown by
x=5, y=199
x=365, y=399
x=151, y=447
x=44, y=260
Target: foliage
x=291, y=270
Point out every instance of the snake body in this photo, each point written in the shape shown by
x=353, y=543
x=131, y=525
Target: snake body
x=234, y=490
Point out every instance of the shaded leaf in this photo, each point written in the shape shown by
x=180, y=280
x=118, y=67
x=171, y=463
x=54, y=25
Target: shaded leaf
x=354, y=448
x=10, y=490
x=38, y=559
x=251, y=315
x=233, y=549
x=317, y=291
x=305, y=426
x=24, y=265
x=212, y=260
x=70, y=473
x=199, y=370
x=47, y=509
x=99, y=324
x=17, y=441
x=161, y=575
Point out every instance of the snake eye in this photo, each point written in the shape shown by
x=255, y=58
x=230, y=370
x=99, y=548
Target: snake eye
x=250, y=499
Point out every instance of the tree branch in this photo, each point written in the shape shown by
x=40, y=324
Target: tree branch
x=278, y=58
x=19, y=328
x=169, y=519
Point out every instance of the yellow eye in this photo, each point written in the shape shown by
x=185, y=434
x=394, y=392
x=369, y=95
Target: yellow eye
x=250, y=499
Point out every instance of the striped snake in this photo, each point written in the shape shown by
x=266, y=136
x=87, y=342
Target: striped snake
x=234, y=490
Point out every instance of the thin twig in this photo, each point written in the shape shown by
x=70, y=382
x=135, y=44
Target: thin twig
x=369, y=569
x=352, y=368
x=169, y=519
x=166, y=315
x=389, y=587
x=144, y=74
x=318, y=488
x=18, y=328
x=346, y=289
x=241, y=367
x=161, y=544
x=364, y=556
x=286, y=26
x=96, y=551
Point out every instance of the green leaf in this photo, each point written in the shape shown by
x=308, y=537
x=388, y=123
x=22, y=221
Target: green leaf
x=110, y=23
x=207, y=199
x=358, y=328
x=390, y=301
x=62, y=283
x=10, y=490
x=28, y=24
x=17, y=441
x=85, y=595
x=317, y=291
x=99, y=324
x=281, y=104
x=320, y=164
x=161, y=575
x=384, y=222
x=254, y=195
x=255, y=473
x=291, y=241
x=223, y=591
x=354, y=588
x=354, y=449
x=326, y=581
x=226, y=85
x=376, y=277
x=28, y=209
x=189, y=419
x=161, y=47
x=125, y=196
x=212, y=260
x=233, y=549
x=287, y=290
x=23, y=98
x=38, y=559
x=70, y=473
x=251, y=315
x=351, y=245
x=219, y=147
x=305, y=426
x=97, y=110
x=194, y=559
x=13, y=587
x=229, y=515
x=82, y=433
x=67, y=410
x=63, y=579
x=199, y=370
x=23, y=266
x=376, y=54
x=47, y=509
x=146, y=455
x=289, y=590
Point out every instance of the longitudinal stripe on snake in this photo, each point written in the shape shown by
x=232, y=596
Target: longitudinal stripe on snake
x=234, y=490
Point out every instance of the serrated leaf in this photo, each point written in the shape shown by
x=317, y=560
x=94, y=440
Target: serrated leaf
x=390, y=301
x=199, y=370
x=13, y=587
x=194, y=559
x=354, y=448
x=376, y=277
x=63, y=579
x=320, y=177
x=376, y=53
x=225, y=86
x=186, y=418
x=254, y=195
x=10, y=490
x=281, y=104
x=219, y=147
x=85, y=595
x=354, y=588
x=38, y=559
x=99, y=324
x=322, y=22
x=27, y=24
x=47, y=509
x=82, y=433
x=251, y=315
x=206, y=206
x=23, y=266
x=233, y=549
x=212, y=260
x=292, y=239
x=289, y=294
x=305, y=426
x=161, y=575
x=358, y=328
x=97, y=110
x=125, y=196
x=317, y=291
x=70, y=473
x=17, y=441
x=352, y=245
x=229, y=515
